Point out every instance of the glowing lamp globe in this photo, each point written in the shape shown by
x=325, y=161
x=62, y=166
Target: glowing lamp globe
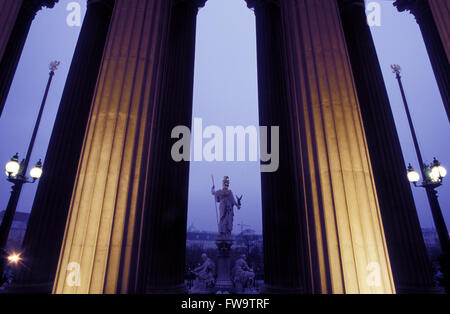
x=438, y=172
x=36, y=172
x=412, y=175
x=13, y=167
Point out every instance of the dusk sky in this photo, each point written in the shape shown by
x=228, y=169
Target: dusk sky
x=225, y=94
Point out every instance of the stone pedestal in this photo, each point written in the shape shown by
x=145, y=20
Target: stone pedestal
x=224, y=281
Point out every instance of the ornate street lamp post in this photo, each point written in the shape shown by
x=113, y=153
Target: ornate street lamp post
x=433, y=176
x=17, y=174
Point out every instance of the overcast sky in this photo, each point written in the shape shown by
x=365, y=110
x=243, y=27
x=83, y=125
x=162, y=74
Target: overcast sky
x=226, y=95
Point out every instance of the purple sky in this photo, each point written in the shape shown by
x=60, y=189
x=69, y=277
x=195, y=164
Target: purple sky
x=226, y=94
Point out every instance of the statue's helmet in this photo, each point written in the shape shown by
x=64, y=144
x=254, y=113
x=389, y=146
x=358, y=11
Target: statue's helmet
x=226, y=181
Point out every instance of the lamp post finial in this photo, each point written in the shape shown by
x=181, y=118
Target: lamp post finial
x=54, y=65
x=396, y=69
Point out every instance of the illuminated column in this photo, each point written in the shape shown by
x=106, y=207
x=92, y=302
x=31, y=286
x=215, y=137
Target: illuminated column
x=161, y=265
x=435, y=35
x=102, y=234
x=10, y=53
x=42, y=244
x=409, y=261
x=347, y=244
x=285, y=251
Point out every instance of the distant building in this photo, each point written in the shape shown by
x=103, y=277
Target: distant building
x=203, y=239
x=18, y=228
x=206, y=239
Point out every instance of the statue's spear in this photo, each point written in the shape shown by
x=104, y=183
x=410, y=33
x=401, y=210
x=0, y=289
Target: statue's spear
x=215, y=203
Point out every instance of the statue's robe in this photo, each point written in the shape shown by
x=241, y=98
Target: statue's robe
x=227, y=201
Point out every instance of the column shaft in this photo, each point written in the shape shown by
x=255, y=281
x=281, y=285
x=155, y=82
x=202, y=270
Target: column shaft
x=104, y=220
x=11, y=53
x=161, y=260
x=9, y=9
x=285, y=247
x=42, y=245
x=344, y=222
x=409, y=261
x=441, y=14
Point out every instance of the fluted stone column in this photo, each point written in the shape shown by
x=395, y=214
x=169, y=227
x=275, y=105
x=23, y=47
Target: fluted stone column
x=409, y=261
x=10, y=54
x=42, y=244
x=104, y=217
x=433, y=18
x=9, y=9
x=127, y=219
x=286, y=261
x=161, y=264
x=347, y=249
